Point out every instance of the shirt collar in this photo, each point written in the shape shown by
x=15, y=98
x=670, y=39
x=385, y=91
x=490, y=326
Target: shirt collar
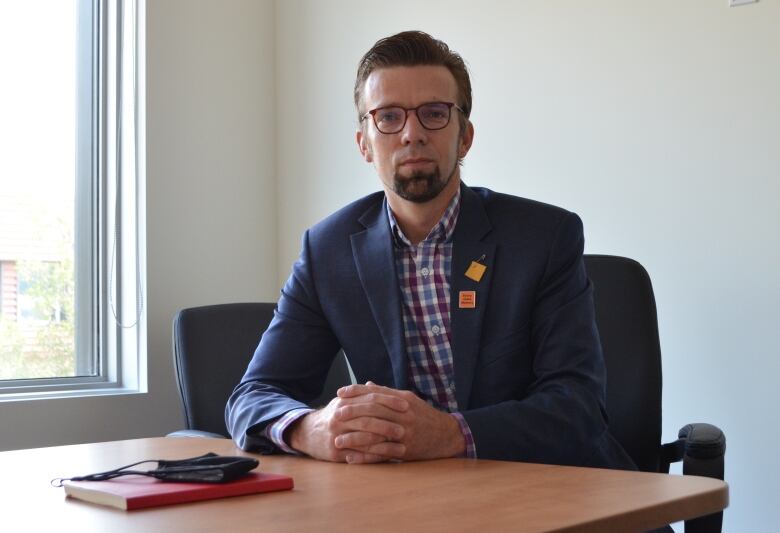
x=440, y=233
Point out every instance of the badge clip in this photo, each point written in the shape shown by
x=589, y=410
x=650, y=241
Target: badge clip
x=476, y=269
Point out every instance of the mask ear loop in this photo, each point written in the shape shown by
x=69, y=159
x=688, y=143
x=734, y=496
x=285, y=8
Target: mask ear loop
x=102, y=476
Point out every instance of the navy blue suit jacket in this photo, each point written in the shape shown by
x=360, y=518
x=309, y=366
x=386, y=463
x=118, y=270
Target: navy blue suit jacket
x=529, y=372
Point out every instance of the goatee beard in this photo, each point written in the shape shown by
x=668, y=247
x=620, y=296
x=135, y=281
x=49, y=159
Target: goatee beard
x=421, y=187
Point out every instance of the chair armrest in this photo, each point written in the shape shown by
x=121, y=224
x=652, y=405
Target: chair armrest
x=701, y=447
x=195, y=433
x=704, y=451
x=705, y=447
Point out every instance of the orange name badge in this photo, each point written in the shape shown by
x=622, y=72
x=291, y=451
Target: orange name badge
x=475, y=271
x=467, y=299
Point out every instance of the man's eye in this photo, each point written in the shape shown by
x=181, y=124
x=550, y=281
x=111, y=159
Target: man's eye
x=434, y=112
x=388, y=116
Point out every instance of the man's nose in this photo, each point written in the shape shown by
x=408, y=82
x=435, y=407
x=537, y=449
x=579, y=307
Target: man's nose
x=413, y=131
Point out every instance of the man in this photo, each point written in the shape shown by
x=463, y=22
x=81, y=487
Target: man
x=466, y=315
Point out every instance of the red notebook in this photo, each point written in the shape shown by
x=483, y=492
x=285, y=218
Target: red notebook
x=133, y=492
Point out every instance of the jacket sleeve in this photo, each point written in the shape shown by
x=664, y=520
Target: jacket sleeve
x=290, y=364
x=561, y=418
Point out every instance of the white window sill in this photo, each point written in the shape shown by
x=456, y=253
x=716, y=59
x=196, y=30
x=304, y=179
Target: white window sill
x=74, y=393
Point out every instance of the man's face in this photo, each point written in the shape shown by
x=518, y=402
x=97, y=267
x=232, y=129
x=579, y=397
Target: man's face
x=415, y=164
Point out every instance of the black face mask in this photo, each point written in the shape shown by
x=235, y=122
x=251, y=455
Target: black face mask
x=209, y=468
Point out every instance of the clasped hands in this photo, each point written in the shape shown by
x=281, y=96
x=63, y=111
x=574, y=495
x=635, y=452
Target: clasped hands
x=370, y=423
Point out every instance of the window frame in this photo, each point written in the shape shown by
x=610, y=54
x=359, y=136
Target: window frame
x=109, y=217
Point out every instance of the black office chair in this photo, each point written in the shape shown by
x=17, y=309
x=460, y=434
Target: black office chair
x=212, y=346
x=628, y=326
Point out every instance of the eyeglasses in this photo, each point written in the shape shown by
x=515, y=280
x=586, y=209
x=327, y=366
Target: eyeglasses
x=432, y=116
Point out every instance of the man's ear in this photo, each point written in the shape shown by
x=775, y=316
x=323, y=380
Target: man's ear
x=466, y=139
x=362, y=142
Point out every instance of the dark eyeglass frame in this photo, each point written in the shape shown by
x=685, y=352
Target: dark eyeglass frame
x=406, y=110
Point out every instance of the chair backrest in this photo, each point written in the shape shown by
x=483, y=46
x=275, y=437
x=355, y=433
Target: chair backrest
x=628, y=326
x=212, y=347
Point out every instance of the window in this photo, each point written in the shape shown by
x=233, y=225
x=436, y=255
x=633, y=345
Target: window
x=71, y=197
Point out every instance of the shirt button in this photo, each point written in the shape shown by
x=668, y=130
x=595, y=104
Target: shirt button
x=424, y=271
x=435, y=330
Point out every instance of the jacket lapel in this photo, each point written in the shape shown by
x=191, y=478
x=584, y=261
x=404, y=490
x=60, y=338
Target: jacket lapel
x=466, y=323
x=373, y=253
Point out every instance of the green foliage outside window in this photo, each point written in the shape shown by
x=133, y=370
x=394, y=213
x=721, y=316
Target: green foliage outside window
x=41, y=343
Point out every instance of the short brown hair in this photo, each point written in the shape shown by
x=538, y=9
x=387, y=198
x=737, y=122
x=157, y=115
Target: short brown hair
x=413, y=48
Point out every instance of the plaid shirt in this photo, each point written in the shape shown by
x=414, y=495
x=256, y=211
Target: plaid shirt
x=424, y=277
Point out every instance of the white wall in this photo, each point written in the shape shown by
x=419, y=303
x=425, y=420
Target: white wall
x=211, y=149
x=211, y=212
x=658, y=122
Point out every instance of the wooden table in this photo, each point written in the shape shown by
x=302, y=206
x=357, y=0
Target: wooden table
x=445, y=495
